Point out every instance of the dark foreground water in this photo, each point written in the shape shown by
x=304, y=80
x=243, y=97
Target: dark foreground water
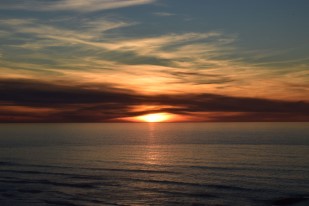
x=154, y=164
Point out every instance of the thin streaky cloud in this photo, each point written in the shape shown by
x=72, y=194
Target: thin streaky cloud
x=184, y=51
x=91, y=28
x=163, y=14
x=72, y=5
x=175, y=55
x=171, y=47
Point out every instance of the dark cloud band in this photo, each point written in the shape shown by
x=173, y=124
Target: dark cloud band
x=99, y=103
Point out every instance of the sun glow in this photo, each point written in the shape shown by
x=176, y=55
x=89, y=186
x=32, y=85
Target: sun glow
x=158, y=117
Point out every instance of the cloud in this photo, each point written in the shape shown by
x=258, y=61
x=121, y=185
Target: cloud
x=163, y=14
x=102, y=55
x=105, y=102
x=91, y=33
x=163, y=57
x=98, y=50
x=72, y=5
x=88, y=29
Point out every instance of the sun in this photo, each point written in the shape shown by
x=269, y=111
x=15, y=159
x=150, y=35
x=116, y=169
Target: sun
x=157, y=117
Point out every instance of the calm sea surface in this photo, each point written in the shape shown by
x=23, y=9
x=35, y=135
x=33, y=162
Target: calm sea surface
x=154, y=164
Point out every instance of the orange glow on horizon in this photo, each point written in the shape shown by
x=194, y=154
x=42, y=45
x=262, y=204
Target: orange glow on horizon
x=157, y=117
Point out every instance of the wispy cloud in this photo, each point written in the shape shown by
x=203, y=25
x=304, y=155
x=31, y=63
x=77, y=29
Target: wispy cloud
x=87, y=28
x=72, y=5
x=166, y=63
x=163, y=14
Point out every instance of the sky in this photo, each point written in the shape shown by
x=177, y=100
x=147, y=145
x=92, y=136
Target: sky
x=117, y=60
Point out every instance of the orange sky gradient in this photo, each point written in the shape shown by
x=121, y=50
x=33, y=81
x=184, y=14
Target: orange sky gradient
x=123, y=60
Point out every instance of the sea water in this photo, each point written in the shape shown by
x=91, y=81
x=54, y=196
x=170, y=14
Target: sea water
x=154, y=164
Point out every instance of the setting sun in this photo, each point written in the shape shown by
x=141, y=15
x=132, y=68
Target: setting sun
x=158, y=117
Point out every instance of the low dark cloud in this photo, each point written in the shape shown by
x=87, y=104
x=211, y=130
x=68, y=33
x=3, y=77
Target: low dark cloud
x=99, y=103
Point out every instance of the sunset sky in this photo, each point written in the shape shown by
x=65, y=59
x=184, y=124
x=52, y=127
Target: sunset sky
x=117, y=60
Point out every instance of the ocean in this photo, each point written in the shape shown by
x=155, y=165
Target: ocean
x=216, y=164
